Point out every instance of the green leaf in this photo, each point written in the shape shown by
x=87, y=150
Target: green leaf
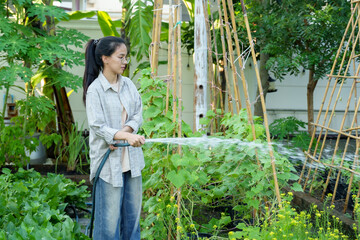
x=140, y=27
x=177, y=179
x=106, y=24
x=151, y=112
x=77, y=15
x=296, y=187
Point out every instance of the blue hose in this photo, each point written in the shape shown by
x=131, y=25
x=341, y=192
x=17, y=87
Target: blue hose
x=95, y=181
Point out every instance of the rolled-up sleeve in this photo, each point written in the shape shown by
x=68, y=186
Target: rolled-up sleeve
x=96, y=119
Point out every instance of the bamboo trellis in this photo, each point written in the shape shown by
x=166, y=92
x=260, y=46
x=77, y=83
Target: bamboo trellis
x=345, y=69
x=229, y=57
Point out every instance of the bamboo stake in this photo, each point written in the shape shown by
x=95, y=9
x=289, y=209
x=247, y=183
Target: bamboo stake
x=271, y=153
x=332, y=114
x=178, y=35
x=347, y=142
x=174, y=55
x=242, y=74
x=217, y=67
x=211, y=79
x=230, y=104
x=170, y=74
x=354, y=128
x=158, y=5
x=331, y=165
x=340, y=76
x=322, y=105
x=355, y=164
x=353, y=90
x=170, y=46
x=232, y=60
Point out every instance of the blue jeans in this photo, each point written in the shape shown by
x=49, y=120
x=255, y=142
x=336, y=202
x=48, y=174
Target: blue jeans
x=117, y=209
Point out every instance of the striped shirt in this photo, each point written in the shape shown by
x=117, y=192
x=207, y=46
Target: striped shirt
x=104, y=106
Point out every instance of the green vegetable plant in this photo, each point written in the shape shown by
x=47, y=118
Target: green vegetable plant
x=33, y=207
x=287, y=223
x=230, y=180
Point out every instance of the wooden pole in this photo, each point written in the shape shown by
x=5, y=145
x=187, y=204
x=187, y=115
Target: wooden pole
x=178, y=30
x=211, y=79
x=217, y=68
x=158, y=5
x=242, y=74
x=266, y=125
x=170, y=47
x=232, y=59
x=230, y=104
x=201, y=64
x=323, y=103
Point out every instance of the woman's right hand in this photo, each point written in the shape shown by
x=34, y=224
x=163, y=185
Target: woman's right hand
x=135, y=140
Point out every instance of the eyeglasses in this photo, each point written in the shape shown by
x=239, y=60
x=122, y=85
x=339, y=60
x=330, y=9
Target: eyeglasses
x=125, y=59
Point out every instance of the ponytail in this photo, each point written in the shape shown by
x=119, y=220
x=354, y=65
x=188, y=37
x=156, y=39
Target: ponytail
x=92, y=68
x=94, y=51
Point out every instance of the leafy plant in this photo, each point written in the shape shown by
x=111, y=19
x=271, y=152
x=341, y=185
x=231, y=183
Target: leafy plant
x=286, y=223
x=32, y=51
x=16, y=140
x=291, y=128
x=234, y=175
x=33, y=207
x=73, y=153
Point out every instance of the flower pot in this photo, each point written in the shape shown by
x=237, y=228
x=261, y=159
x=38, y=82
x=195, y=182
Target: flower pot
x=39, y=155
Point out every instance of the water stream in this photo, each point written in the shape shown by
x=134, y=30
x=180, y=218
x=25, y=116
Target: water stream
x=296, y=155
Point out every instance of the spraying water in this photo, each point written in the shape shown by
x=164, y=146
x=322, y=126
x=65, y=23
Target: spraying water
x=294, y=154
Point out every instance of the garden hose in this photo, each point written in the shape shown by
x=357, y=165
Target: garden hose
x=95, y=181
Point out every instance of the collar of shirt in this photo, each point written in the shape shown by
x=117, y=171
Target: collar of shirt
x=105, y=83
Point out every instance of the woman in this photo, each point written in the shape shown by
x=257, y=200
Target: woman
x=114, y=112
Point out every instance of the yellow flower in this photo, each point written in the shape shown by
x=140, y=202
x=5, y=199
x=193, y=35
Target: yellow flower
x=175, y=205
x=231, y=233
x=306, y=233
x=332, y=206
x=177, y=220
x=315, y=207
x=291, y=235
x=290, y=193
x=272, y=233
x=214, y=227
x=168, y=206
x=192, y=225
x=318, y=215
x=159, y=200
x=179, y=228
x=172, y=199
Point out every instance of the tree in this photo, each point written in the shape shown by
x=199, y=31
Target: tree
x=31, y=52
x=299, y=35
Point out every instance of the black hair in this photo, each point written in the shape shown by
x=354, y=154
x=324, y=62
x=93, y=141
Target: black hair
x=94, y=51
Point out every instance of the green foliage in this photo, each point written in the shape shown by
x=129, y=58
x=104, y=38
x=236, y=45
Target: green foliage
x=236, y=174
x=106, y=24
x=291, y=128
x=140, y=26
x=33, y=207
x=77, y=149
x=137, y=25
x=16, y=140
x=282, y=127
x=32, y=50
x=297, y=34
x=286, y=223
